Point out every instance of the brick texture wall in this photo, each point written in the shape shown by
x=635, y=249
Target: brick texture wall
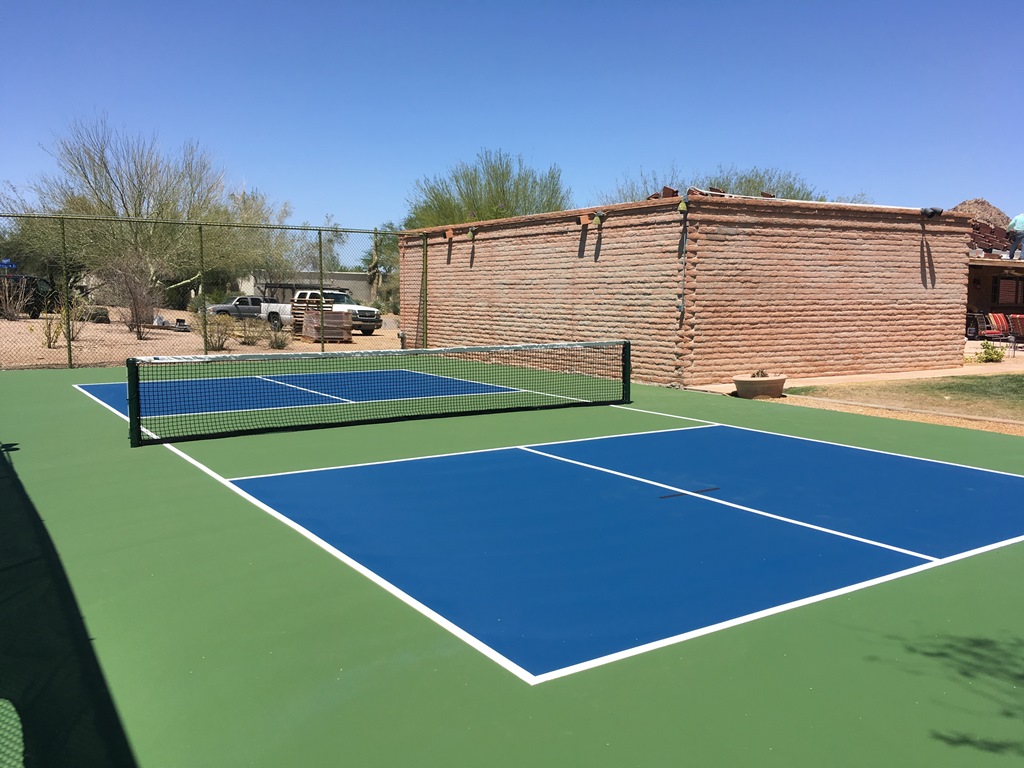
x=816, y=290
x=545, y=278
x=738, y=284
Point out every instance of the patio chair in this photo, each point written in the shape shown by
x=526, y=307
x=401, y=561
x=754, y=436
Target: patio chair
x=1000, y=324
x=987, y=328
x=1016, y=330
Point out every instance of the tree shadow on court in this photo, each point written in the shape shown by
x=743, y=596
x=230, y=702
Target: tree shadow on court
x=55, y=707
x=989, y=671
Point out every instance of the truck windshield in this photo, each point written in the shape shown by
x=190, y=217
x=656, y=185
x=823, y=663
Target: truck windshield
x=338, y=298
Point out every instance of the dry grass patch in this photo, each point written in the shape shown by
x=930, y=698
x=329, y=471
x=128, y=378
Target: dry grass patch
x=954, y=400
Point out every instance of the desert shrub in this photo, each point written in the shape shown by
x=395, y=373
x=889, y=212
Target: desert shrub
x=13, y=298
x=77, y=314
x=51, y=326
x=251, y=330
x=279, y=339
x=219, y=328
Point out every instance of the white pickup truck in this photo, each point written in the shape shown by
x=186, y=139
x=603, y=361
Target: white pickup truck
x=366, y=320
x=242, y=306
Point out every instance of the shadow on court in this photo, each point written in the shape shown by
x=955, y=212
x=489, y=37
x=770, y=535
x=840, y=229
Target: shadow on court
x=990, y=672
x=55, y=708
x=990, y=668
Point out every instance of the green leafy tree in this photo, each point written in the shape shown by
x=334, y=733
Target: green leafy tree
x=497, y=185
x=749, y=181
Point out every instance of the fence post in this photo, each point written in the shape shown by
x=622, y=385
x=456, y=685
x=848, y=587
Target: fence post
x=423, y=296
x=65, y=299
x=320, y=256
x=202, y=293
x=375, y=277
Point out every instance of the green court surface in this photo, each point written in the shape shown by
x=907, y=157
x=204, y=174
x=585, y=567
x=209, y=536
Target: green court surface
x=225, y=638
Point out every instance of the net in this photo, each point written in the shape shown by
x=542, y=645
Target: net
x=173, y=399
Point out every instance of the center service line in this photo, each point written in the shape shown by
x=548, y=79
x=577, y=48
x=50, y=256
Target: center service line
x=740, y=507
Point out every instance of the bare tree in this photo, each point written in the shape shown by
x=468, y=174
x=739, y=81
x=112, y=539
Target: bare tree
x=108, y=173
x=631, y=189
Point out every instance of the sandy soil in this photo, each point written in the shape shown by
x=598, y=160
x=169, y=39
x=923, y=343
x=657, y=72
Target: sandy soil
x=988, y=425
x=1012, y=363
x=23, y=342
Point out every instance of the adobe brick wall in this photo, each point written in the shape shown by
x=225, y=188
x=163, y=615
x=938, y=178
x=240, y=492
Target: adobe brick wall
x=544, y=278
x=801, y=288
x=816, y=290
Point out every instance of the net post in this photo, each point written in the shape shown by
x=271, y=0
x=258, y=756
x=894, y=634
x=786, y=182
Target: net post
x=134, y=411
x=627, y=370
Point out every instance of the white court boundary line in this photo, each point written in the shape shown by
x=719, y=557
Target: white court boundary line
x=698, y=423
x=532, y=679
x=822, y=442
x=514, y=668
x=740, y=507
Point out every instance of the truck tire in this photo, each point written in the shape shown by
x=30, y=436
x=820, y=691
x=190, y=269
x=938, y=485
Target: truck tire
x=275, y=321
x=366, y=331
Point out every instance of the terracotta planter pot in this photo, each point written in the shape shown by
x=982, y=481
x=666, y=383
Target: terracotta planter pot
x=759, y=386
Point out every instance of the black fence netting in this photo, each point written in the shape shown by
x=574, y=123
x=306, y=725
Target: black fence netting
x=91, y=291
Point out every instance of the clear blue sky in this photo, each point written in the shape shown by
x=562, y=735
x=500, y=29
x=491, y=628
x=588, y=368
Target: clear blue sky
x=339, y=107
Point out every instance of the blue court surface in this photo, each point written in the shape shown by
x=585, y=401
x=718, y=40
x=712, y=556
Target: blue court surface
x=193, y=396
x=554, y=558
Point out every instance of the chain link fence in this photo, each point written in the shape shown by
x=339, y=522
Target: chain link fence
x=92, y=291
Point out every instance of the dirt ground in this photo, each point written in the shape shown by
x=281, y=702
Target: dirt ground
x=906, y=414
x=23, y=342
x=1013, y=362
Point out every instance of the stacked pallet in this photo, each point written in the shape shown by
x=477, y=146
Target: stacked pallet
x=988, y=224
x=988, y=238
x=337, y=326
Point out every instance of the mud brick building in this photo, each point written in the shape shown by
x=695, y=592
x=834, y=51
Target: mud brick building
x=705, y=285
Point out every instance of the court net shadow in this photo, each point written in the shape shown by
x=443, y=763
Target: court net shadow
x=55, y=707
